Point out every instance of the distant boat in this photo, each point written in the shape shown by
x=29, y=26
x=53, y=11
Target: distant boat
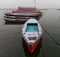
x=58, y=9
x=22, y=14
x=32, y=34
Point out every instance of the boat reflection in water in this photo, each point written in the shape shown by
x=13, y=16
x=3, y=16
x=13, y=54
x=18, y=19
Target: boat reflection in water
x=15, y=23
x=35, y=53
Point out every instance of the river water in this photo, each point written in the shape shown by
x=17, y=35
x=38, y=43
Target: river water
x=11, y=44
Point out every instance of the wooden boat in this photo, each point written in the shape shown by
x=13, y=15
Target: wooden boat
x=32, y=34
x=22, y=14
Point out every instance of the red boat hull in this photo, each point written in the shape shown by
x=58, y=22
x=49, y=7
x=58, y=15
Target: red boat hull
x=32, y=48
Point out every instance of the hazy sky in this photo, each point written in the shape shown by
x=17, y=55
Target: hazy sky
x=30, y=3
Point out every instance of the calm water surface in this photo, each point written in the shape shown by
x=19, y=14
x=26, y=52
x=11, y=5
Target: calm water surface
x=11, y=44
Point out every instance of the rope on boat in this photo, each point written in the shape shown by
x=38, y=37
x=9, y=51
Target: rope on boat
x=52, y=37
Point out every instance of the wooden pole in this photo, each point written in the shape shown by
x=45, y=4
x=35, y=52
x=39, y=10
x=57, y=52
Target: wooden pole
x=35, y=3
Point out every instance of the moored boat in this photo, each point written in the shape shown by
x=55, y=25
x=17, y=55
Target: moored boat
x=32, y=34
x=23, y=13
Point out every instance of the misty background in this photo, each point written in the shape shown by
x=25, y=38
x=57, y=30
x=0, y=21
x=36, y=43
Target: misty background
x=30, y=3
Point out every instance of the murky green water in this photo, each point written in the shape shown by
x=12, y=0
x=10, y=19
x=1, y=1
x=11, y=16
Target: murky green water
x=11, y=44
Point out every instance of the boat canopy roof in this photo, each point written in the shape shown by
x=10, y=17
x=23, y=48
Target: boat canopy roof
x=25, y=9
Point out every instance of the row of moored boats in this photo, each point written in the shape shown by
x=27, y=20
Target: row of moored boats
x=22, y=14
